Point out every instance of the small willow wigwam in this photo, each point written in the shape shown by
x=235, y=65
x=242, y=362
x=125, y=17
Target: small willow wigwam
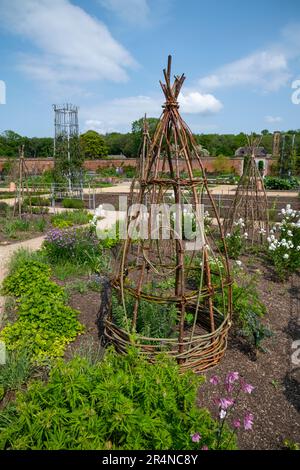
x=250, y=204
x=170, y=294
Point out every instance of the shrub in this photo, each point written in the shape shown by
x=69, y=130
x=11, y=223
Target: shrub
x=78, y=245
x=37, y=201
x=12, y=226
x=121, y=403
x=235, y=241
x=72, y=203
x=45, y=324
x=69, y=218
x=273, y=182
x=107, y=172
x=284, y=243
x=4, y=209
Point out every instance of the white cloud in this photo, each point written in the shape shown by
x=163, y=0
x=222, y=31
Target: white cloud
x=198, y=103
x=131, y=11
x=71, y=44
x=273, y=119
x=118, y=114
x=266, y=69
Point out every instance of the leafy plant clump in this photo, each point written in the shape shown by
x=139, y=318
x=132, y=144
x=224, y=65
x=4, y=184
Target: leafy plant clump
x=121, y=403
x=72, y=203
x=284, y=243
x=153, y=320
x=45, y=324
x=68, y=218
x=273, y=182
x=78, y=245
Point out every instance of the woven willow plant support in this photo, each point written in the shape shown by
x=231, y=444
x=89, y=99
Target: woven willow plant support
x=250, y=202
x=201, y=342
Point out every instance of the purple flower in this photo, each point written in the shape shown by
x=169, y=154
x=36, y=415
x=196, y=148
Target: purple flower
x=236, y=423
x=248, y=421
x=214, y=380
x=225, y=403
x=204, y=448
x=232, y=377
x=196, y=437
x=247, y=388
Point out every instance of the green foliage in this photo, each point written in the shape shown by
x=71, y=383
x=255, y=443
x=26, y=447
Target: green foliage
x=235, y=241
x=16, y=370
x=37, y=201
x=68, y=218
x=45, y=325
x=23, y=255
x=15, y=228
x=108, y=172
x=68, y=269
x=93, y=145
x=153, y=320
x=284, y=243
x=129, y=171
x=4, y=209
x=121, y=403
x=273, y=182
x=254, y=330
x=288, y=444
x=11, y=227
x=72, y=203
x=78, y=245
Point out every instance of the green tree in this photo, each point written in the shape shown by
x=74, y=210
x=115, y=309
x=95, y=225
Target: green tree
x=93, y=146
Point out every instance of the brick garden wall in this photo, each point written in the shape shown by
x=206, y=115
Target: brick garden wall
x=39, y=165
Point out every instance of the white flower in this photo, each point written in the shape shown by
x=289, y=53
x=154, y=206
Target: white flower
x=238, y=262
x=289, y=233
x=222, y=414
x=285, y=256
x=228, y=235
x=298, y=248
x=262, y=231
x=246, y=235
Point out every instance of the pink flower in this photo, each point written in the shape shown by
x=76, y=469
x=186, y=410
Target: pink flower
x=214, y=380
x=248, y=421
x=225, y=403
x=247, y=388
x=232, y=377
x=236, y=423
x=196, y=437
x=204, y=448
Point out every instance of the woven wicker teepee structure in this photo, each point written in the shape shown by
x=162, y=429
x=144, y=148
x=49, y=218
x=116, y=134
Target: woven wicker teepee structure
x=250, y=204
x=171, y=291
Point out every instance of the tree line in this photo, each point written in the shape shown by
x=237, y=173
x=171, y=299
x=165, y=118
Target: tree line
x=93, y=145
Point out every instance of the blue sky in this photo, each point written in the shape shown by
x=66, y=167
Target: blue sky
x=106, y=56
